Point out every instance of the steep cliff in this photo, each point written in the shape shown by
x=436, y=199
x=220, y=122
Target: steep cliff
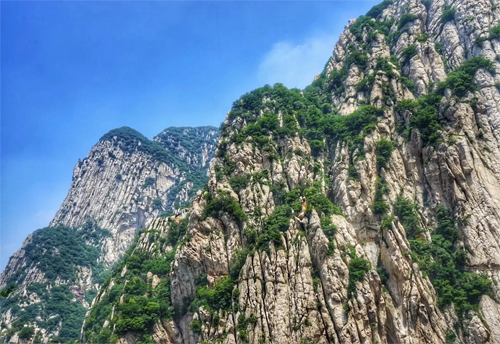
x=128, y=179
x=125, y=180
x=363, y=209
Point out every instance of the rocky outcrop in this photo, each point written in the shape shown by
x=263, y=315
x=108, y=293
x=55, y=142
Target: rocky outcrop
x=122, y=187
x=195, y=145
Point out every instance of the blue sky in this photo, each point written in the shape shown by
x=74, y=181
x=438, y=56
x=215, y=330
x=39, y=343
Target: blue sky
x=71, y=71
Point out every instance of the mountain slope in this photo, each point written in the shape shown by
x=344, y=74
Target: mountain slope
x=125, y=181
x=363, y=209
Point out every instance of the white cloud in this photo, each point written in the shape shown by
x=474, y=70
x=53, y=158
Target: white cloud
x=295, y=65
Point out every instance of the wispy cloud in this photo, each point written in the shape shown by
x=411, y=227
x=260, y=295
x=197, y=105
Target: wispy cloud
x=295, y=65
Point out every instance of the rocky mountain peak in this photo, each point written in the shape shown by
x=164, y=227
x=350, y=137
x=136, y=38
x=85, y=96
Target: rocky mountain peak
x=190, y=143
x=362, y=209
x=125, y=181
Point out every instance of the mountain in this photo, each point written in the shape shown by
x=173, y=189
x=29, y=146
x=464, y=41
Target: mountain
x=362, y=209
x=125, y=181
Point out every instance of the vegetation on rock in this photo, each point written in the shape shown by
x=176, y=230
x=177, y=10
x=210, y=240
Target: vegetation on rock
x=448, y=14
x=461, y=80
x=358, y=267
x=137, y=304
x=58, y=253
x=223, y=202
x=280, y=125
x=443, y=260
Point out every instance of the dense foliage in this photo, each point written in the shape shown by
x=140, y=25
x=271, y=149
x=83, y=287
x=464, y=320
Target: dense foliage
x=383, y=149
x=142, y=304
x=358, y=267
x=380, y=206
x=315, y=124
x=216, y=297
x=57, y=252
x=377, y=10
x=448, y=14
x=148, y=182
x=407, y=213
x=26, y=333
x=461, y=80
x=369, y=24
x=223, y=202
x=442, y=260
x=190, y=139
x=405, y=19
x=424, y=117
x=277, y=222
x=57, y=306
x=7, y=290
x=495, y=32
x=408, y=53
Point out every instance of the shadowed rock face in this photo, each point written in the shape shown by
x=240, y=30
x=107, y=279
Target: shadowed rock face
x=399, y=133
x=125, y=181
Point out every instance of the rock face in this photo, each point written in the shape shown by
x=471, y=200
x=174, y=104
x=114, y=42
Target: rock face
x=363, y=209
x=125, y=181
x=195, y=145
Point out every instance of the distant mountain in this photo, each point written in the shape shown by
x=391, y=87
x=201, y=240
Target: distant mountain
x=125, y=181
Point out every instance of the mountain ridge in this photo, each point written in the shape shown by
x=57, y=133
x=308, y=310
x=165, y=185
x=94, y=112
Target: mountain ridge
x=125, y=180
